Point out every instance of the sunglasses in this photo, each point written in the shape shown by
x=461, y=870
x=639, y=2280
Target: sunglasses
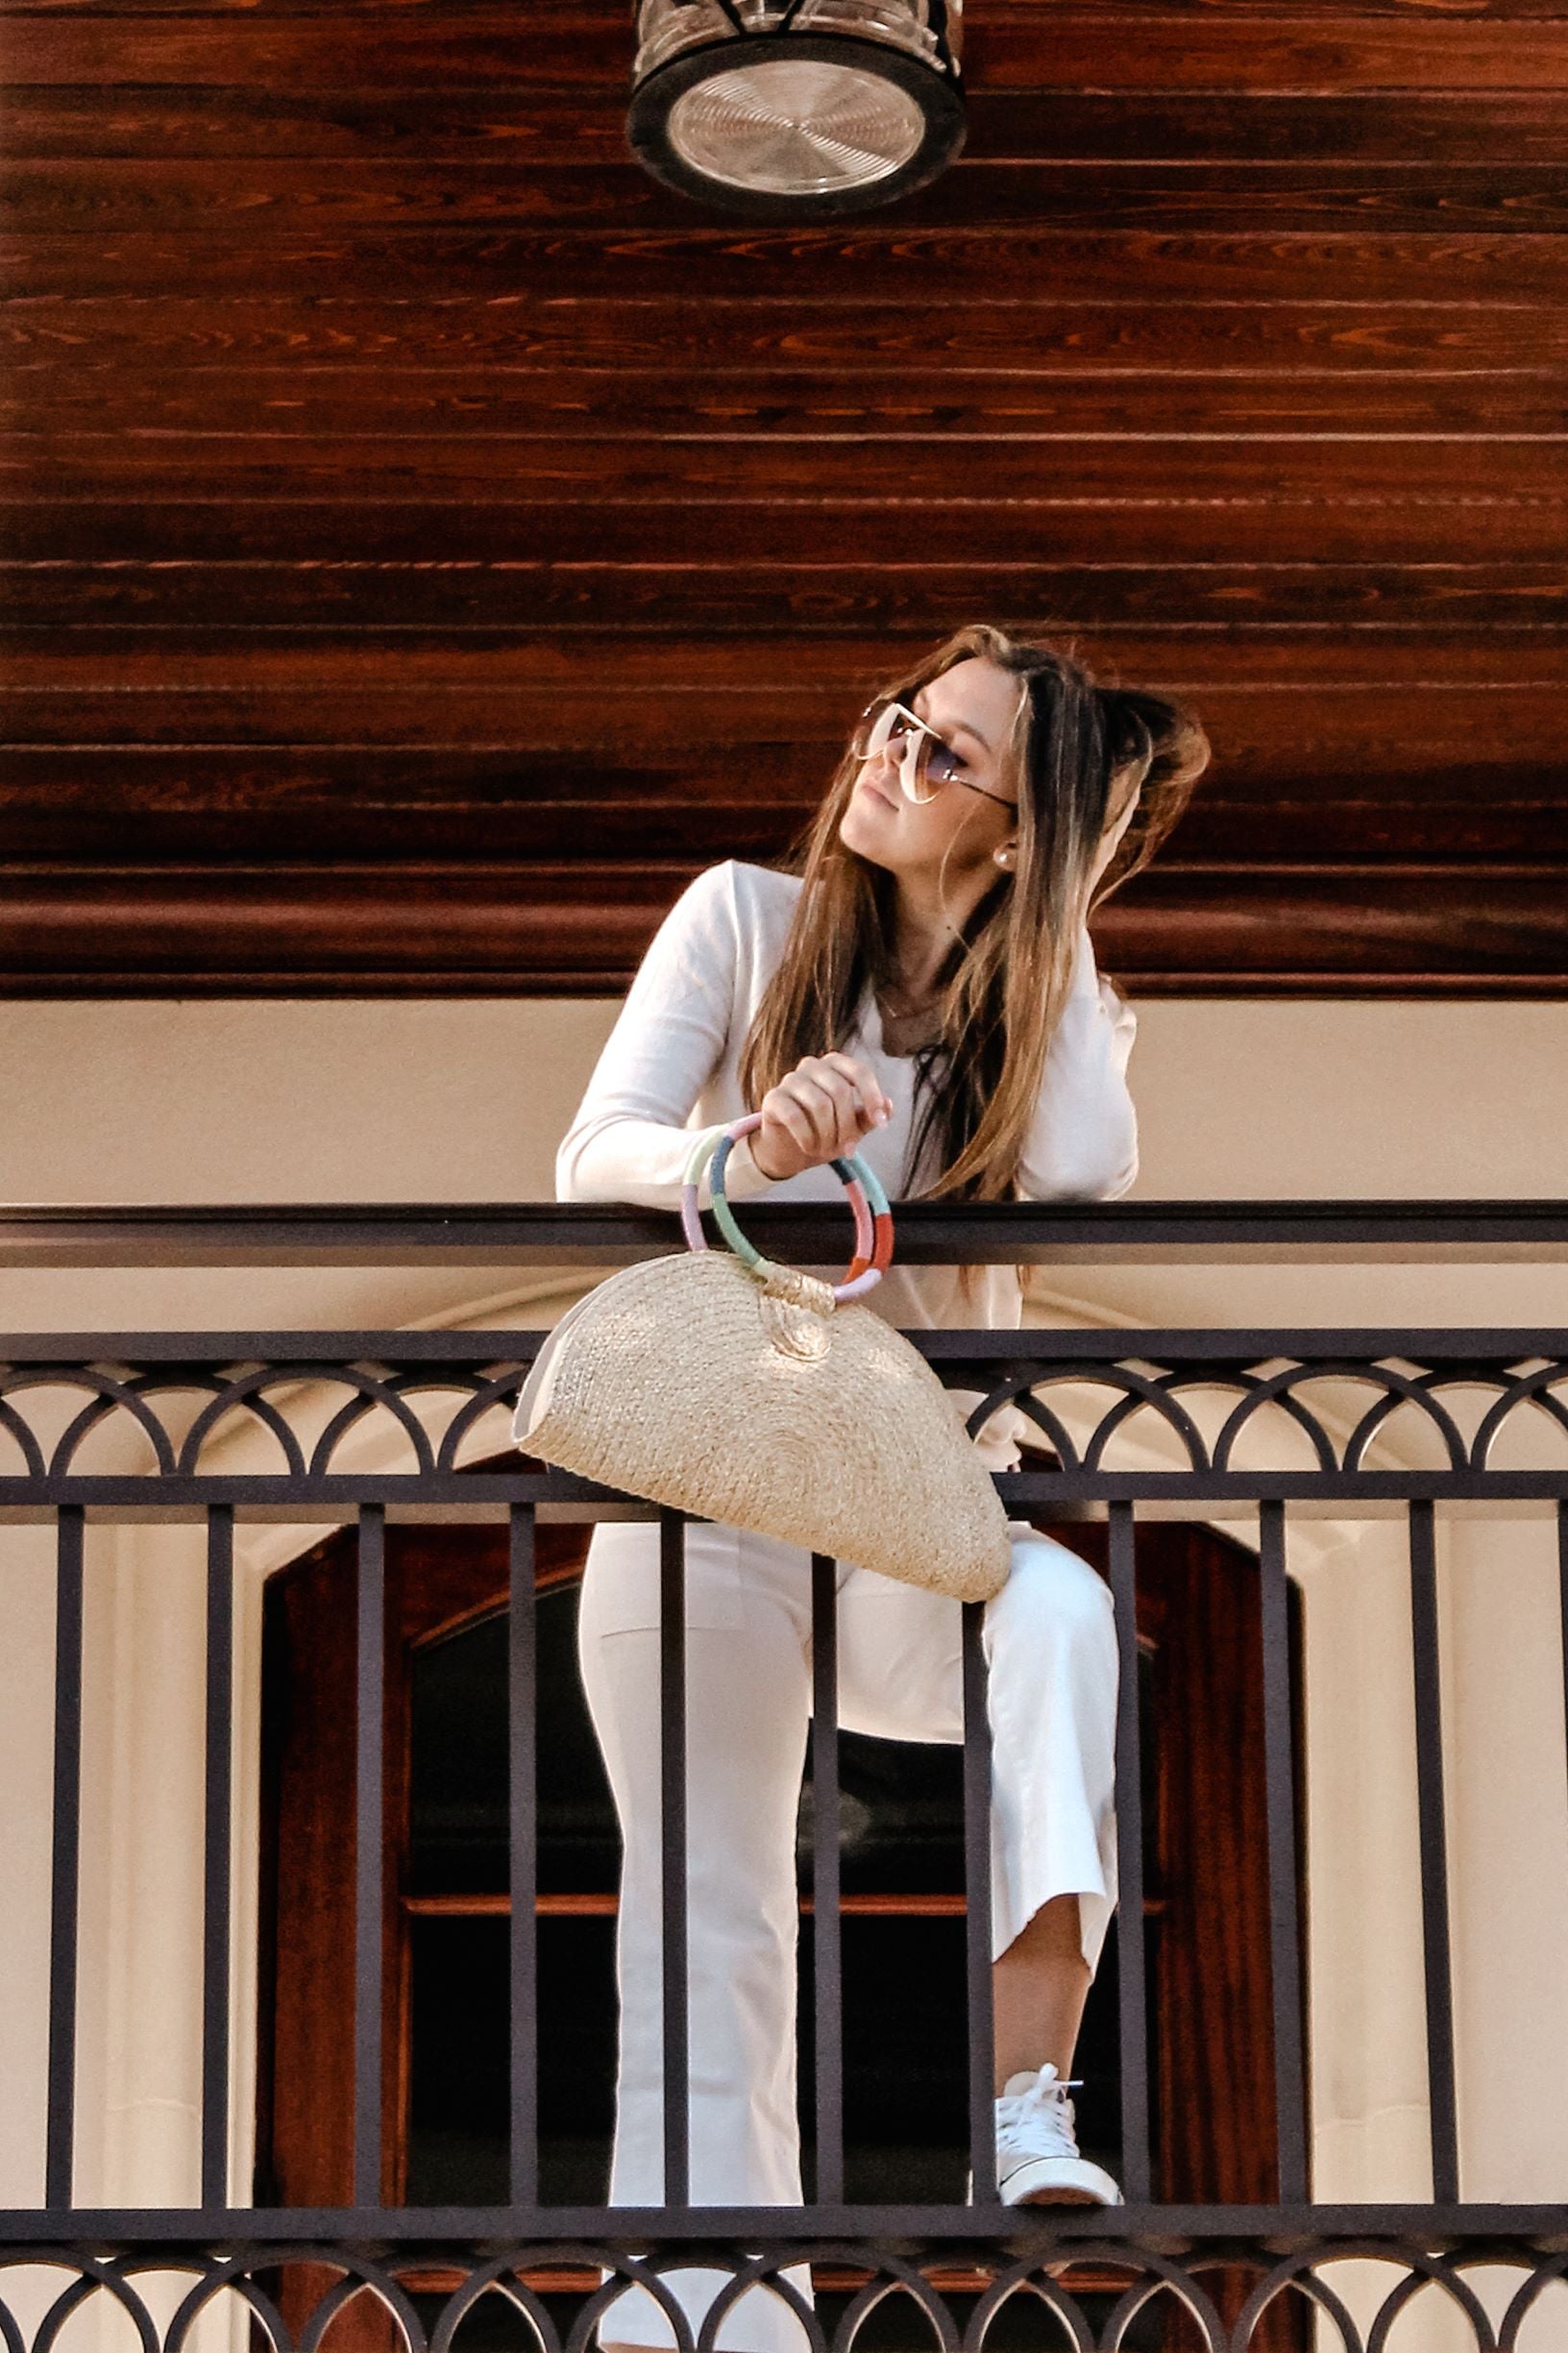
x=924, y=760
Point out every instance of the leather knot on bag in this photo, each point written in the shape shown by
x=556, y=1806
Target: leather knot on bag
x=751, y=1393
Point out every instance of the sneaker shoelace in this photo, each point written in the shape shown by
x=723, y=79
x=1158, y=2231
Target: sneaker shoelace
x=1042, y=2116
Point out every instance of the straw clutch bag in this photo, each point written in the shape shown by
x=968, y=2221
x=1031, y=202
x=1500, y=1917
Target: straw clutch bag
x=745, y=1392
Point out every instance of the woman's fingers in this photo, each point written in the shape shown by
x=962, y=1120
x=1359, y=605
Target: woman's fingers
x=781, y=1146
x=873, y=1105
x=856, y=1093
x=818, y=1112
x=819, y=1107
x=842, y=1097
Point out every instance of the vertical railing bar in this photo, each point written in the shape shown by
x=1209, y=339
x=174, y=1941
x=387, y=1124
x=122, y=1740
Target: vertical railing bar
x=60, y=2145
x=825, y=1915
x=1562, y=1606
x=217, y=1833
x=1433, y=1841
x=1133, y=2032
x=522, y=1713
x=672, y=1814
x=1284, y=1929
x=368, y=1838
x=977, y=1908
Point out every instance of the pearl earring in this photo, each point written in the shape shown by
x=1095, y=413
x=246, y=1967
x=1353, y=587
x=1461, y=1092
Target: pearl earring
x=1003, y=857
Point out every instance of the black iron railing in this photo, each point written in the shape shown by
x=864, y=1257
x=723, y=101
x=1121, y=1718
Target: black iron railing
x=1465, y=1391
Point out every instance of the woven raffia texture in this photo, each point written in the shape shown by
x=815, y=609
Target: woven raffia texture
x=686, y=1381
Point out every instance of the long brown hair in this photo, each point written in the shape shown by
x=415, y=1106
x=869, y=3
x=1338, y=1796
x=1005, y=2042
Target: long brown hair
x=1005, y=979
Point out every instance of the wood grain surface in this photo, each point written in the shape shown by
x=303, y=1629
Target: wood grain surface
x=429, y=542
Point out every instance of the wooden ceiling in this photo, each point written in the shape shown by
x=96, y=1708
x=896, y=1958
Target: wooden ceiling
x=431, y=541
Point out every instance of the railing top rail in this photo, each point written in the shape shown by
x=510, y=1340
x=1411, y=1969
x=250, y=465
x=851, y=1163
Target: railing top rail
x=568, y=1235
x=1321, y=1348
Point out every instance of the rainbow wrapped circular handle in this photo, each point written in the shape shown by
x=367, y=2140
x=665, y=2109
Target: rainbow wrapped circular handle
x=873, y=1220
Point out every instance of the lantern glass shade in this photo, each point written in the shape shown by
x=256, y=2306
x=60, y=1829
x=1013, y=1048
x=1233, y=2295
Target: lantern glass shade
x=796, y=108
x=791, y=126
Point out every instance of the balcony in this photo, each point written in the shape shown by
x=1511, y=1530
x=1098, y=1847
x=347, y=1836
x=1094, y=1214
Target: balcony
x=353, y=1442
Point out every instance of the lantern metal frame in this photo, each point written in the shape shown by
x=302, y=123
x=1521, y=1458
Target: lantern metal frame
x=934, y=82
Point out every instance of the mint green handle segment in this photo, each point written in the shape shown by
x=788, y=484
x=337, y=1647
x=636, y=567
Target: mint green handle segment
x=702, y=1151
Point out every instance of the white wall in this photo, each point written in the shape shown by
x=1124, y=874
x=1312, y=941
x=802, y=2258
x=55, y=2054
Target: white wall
x=410, y=1099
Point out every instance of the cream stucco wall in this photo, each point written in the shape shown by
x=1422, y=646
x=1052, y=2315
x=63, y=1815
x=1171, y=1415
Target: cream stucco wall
x=132, y=1103
x=430, y=1099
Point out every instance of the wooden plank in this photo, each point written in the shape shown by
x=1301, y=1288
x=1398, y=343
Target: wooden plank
x=1026, y=334
x=586, y=127
x=741, y=683
x=1461, y=806
x=610, y=405
x=1281, y=803
x=131, y=930
x=89, y=831
x=1345, y=730
x=1344, y=933
x=512, y=605
x=258, y=798
x=1028, y=45
x=1465, y=525
x=1043, y=469
x=241, y=779
x=84, y=828
x=882, y=262
x=103, y=197
x=1417, y=828
x=606, y=22
x=552, y=930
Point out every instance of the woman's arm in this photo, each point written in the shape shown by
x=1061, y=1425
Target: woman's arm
x=1083, y=1141
x=629, y=1141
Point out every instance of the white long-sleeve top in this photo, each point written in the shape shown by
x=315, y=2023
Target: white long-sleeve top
x=671, y=1066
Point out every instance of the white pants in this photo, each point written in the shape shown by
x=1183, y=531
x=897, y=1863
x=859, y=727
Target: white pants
x=1051, y=1651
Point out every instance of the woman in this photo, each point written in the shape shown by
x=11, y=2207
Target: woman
x=921, y=990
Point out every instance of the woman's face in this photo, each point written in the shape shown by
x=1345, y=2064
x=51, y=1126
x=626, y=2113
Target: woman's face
x=972, y=708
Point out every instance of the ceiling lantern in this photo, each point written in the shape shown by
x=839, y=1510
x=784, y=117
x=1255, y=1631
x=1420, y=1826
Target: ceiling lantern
x=795, y=109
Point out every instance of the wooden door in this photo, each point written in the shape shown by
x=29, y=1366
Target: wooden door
x=445, y=1927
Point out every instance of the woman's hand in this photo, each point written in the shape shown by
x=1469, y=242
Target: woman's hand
x=819, y=1113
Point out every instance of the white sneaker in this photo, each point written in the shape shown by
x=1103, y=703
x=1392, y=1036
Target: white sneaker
x=1036, y=2152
